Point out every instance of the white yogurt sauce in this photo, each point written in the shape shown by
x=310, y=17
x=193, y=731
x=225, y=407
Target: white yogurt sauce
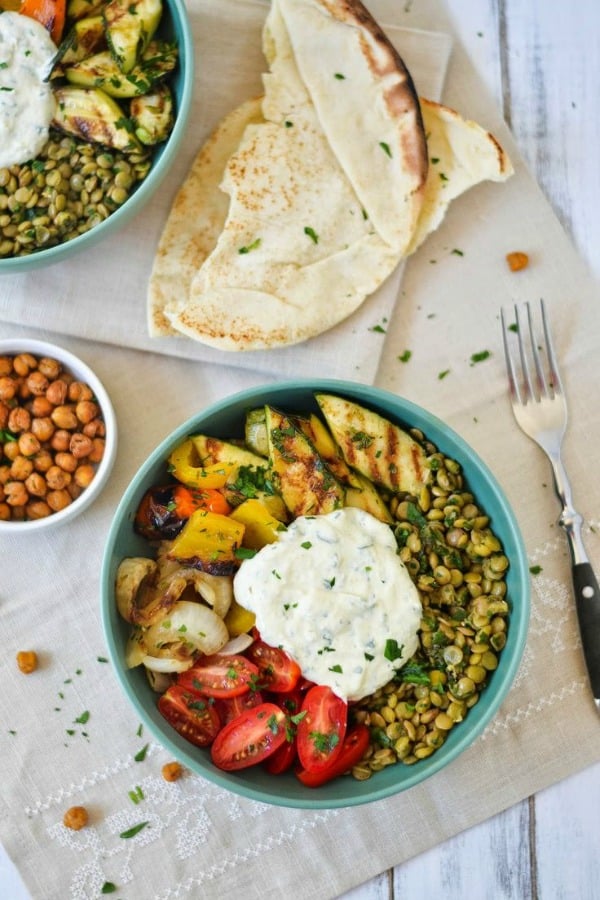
x=334, y=594
x=26, y=101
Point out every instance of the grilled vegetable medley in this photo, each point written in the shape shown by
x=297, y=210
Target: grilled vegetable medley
x=226, y=681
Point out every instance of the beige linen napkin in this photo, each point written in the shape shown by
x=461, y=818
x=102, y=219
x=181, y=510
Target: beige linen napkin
x=201, y=841
x=102, y=294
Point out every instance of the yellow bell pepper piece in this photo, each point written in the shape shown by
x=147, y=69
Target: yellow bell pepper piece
x=239, y=620
x=209, y=539
x=184, y=462
x=261, y=527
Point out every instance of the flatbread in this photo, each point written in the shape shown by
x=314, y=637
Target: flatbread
x=309, y=233
x=301, y=203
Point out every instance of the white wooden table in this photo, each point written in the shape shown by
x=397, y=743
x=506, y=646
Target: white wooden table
x=540, y=58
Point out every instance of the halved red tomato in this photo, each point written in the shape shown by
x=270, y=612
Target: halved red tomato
x=353, y=749
x=221, y=676
x=278, y=671
x=283, y=758
x=231, y=707
x=321, y=728
x=191, y=714
x=250, y=738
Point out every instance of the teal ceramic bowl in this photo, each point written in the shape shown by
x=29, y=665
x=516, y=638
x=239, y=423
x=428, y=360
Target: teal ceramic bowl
x=225, y=419
x=174, y=26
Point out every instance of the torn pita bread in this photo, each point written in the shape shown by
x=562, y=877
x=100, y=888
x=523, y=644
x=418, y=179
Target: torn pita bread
x=298, y=207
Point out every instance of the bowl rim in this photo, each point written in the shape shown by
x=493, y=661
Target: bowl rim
x=381, y=400
x=146, y=188
x=13, y=346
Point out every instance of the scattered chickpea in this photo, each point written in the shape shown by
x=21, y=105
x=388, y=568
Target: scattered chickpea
x=172, y=771
x=517, y=260
x=76, y=817
x=27, y=661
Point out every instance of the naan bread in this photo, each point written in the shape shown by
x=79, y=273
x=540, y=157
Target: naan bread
x=309, y=232
x=300, y=205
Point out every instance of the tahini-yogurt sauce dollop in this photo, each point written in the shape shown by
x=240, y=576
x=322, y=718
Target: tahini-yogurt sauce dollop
x=26, y=101
x=334, y=594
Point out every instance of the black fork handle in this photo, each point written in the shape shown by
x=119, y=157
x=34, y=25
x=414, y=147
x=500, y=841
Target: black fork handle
x=587, y=597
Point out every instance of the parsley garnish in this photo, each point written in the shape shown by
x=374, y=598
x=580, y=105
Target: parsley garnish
x=337, y=668
x=306, y=545
x=131, y=832
x=404, y=357
x=253, y=246
x=386, y=148
x=535, y=570
x=480, y=357
x=244, y=553
x=393, y=650
x=312, y=234
x=443, y=373
x=339, y=76
x=108, y=888
x=140, y=756
x=324, y=743
x=362, y=439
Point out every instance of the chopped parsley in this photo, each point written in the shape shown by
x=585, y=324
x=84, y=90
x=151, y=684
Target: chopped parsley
x=140, y=756
x=108, y=888
x=131, y=832
x=404, y=357
x=443, y=374
x=386, y=148
x=339, y=76
x=324, y=743
x=480, y=357
x=337, y=668
x=312, y=234
x=362, y=440
x=393, y=650
x=306, y=545
x=249, y=247
x=535, y=570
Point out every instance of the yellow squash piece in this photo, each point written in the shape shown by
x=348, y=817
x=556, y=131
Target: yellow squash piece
x=301, y=476
x=378, y=449
x=239, y=620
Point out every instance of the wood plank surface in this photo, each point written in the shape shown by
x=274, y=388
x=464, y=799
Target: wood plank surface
x=541, y=61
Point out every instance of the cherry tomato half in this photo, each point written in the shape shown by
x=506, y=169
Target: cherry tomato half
x=278, y=671
x=322, y=728
x=191, y=714
x=231, y=707
x=221, y=676
x=250, y=738
x=353, y=749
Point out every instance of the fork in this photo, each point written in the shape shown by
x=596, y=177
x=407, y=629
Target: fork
x=540, y=408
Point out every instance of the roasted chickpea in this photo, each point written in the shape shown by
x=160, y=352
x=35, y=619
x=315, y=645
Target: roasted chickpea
x=23, y=363
x=37, y=383
x=66, y=461
x=16, y=493
x=60, y=440
x=54, y=437
x=27, y=661
x=57, y=478
x=51, y=368
x=57, y=392
x=171, y=771
x=79, y=391
x=86, y=411
x=38, y=509
x=76, y=817
x=43, y=428
x=19, y=419
x=84, y=475
x=21, y=468
x=64, y=417
x=41, y=407
x=8, y=387
x=58, y=500
x=97, y=451
x=95, y=428
x=29, y=444
x=42, y=461
x=80, y=445
x=36, y=484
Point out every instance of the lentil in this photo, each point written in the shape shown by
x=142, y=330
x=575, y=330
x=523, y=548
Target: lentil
x=459, y=566
x=68, y=199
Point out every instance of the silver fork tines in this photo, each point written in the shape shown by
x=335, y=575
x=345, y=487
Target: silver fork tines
x=540, y=408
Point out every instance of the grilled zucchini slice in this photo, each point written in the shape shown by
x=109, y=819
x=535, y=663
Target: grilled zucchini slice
x=130, y=26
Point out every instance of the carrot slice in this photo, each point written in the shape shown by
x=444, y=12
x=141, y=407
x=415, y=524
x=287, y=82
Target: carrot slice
x=49, y=13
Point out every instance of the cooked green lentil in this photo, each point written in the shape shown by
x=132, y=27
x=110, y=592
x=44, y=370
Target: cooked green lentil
x=68, y=189
x=459, y=567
